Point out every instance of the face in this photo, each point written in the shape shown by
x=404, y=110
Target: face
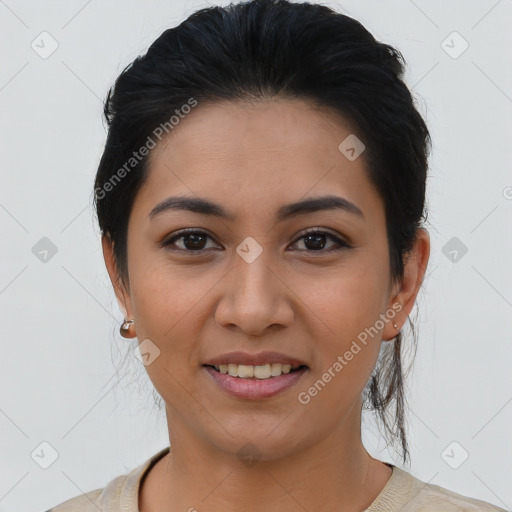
x=305, y=285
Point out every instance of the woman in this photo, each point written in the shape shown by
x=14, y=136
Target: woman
x=261, y=197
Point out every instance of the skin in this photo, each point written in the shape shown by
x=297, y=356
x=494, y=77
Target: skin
x=252, y=158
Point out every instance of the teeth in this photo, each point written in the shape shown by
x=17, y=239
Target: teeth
x=264, y=371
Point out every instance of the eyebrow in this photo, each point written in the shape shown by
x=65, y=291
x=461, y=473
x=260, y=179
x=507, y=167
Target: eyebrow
x=285, y=212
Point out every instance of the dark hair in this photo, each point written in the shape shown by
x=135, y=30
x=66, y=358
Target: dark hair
x=260, y=49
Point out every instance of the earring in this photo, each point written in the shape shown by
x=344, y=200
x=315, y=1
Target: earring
x=394, y=323
x=125, y=329
x=396, y=327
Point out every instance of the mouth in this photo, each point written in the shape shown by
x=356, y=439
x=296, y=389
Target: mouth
x=259, y=372
x=255, y=382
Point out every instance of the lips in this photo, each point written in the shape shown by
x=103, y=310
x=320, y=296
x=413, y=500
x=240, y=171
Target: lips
x=255, y=389
x=257, y=359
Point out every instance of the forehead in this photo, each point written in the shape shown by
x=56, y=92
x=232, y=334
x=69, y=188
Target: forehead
x=266, y=129
x=257, y=156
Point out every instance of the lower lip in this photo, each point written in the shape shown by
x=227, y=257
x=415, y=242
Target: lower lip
x=255, y=388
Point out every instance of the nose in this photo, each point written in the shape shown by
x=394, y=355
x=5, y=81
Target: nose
x=254, y=299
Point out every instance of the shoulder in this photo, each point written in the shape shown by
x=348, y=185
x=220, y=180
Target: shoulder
x=83, y=503
x=121, y=494
x=418, y=496
x=95, y=500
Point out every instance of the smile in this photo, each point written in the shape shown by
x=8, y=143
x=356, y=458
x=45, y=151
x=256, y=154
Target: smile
x=255, y=382
x=264, y=371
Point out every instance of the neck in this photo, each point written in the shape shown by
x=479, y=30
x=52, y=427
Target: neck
x=336, y=473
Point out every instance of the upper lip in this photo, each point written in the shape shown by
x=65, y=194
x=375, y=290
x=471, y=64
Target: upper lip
x=254, y=359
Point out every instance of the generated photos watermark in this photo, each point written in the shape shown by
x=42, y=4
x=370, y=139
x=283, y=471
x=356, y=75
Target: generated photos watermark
x=133, y=161
x=304, y=397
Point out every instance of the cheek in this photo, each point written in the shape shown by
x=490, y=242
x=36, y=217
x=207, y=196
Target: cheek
x=167, y=307
x=348, y=307
x=347, y=354
x=165, y=304
x=163, y=294
x=352, y=298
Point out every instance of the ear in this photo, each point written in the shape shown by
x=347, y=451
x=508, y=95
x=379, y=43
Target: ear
x=123, y=296
x=415, y=266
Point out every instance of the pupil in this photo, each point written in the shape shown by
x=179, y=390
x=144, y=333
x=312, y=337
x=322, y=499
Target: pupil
x=317, y=237
x=196, y=239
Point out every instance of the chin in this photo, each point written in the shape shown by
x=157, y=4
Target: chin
x=264, y=442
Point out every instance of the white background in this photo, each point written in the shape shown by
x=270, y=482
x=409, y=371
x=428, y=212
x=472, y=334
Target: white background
x=60, y=342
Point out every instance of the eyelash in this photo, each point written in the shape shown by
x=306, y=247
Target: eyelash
x=317, y=231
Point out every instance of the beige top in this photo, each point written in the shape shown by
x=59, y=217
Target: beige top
x=403, y=493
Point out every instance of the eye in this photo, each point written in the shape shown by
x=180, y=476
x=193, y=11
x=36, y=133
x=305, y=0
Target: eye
x=315, y=238
x=195, y=241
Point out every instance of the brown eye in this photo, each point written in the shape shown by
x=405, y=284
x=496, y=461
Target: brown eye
x=315, y=241
x=195, y=241
x=192, y=241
